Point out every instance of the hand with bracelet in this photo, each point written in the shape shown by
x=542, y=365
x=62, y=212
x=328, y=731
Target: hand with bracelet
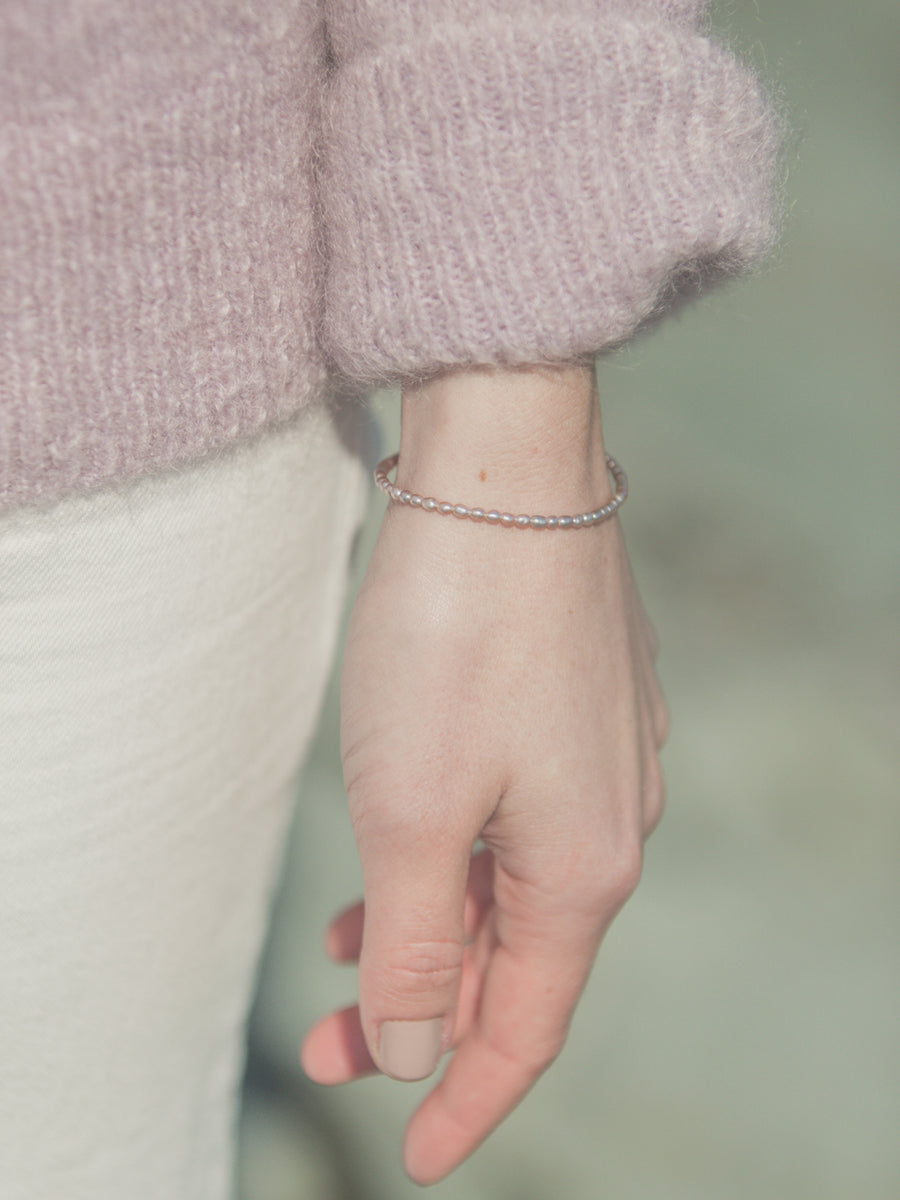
x=498, y=685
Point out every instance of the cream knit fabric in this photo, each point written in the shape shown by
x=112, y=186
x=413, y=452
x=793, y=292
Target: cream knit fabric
x=165, y=647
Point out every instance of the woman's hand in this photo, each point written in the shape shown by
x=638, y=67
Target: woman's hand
x=498, y=684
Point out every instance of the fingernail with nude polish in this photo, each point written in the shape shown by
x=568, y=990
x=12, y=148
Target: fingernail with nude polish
x=410, y=1050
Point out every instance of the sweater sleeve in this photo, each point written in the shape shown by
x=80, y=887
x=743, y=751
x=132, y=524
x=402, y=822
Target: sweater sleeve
x=524, y=181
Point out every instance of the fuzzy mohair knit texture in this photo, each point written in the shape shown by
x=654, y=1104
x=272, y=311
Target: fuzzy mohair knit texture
x=210, y=211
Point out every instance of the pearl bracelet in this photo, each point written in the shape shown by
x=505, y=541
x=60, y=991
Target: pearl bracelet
x=493, y=517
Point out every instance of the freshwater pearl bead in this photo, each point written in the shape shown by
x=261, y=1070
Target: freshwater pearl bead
x=493, y=516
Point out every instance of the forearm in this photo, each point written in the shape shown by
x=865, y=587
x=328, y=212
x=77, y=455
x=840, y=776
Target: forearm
x=525, y=439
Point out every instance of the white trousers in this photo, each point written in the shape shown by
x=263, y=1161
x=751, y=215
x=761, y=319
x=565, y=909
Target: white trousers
x=163, y=653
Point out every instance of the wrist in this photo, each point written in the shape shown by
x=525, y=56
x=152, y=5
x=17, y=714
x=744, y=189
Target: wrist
x=526, y=438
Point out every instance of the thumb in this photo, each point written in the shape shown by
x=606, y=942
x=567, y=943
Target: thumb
x=410, y=965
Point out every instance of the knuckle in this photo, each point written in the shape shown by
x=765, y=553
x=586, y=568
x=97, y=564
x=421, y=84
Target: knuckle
x=652, y=817
x=654, y=800
x=413, y=808
x=611, y=880
x=534, y=1054
x=662, y=723
x=543, y=1051
x=360, y=763
x=423, y=967
x=380, y=810
x=623, y=872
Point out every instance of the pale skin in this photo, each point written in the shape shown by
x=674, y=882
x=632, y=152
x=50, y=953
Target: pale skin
x=498, y=684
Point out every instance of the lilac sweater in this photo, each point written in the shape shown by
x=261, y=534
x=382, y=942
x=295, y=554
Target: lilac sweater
x=211, y=210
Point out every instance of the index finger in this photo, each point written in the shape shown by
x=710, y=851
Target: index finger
x=539, y=964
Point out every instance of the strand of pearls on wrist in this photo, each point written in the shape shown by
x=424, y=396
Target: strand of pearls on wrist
x=492, y=516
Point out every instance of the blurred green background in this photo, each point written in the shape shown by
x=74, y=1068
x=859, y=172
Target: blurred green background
x=740, y=1035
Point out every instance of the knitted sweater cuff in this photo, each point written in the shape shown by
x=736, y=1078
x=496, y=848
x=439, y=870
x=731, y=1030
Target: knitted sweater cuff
x=518, y=192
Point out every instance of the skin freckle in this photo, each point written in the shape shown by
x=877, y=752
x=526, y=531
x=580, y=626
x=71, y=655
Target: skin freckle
x=482, y=475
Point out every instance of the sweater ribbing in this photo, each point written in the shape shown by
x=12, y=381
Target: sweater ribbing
x=533, y=190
